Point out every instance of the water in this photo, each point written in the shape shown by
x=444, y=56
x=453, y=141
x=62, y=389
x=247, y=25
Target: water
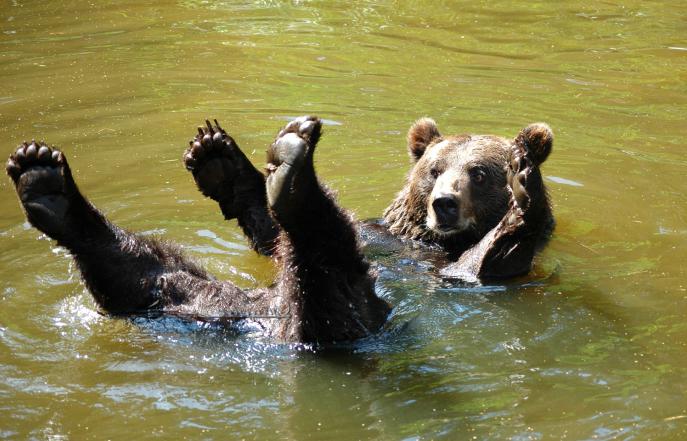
x=591, y=346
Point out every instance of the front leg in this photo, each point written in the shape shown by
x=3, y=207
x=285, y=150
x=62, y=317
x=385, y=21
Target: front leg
x=509, y=248
x=224, y=174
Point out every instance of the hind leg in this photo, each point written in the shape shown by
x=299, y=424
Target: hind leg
x=321, y=262
x=123, y=271
x=50, y=198
x=291, y=176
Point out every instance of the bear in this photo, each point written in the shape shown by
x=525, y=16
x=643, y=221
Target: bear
x=323, y=293
x=480, y=199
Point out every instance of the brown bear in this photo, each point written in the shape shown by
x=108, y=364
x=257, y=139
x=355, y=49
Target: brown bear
x=480, y=197
x=324, y=291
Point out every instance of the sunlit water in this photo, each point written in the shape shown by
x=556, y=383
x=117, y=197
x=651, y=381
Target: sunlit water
x=590, y=346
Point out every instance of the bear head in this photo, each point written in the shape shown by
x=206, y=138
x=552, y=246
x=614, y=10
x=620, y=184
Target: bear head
x=457, y=189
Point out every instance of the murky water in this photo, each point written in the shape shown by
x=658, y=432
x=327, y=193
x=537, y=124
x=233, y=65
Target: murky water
x=592, y=346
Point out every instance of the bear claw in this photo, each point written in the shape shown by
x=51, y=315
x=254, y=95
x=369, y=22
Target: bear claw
x=214, y=159
x=209, y=140
x=30, y=154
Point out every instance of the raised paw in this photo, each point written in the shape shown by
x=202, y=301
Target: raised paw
x=32, y=154
x=289, y=159
x=530, y=149
x=519, y=169
x=221, y=171
x=44, y=185
x=210, y=157
x=307, y=127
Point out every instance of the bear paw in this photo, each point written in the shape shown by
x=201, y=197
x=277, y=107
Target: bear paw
x=525, y=182
x=290, y=153
x=210, y=158
x=44, y=184
x=221, y=170
x=518, y=172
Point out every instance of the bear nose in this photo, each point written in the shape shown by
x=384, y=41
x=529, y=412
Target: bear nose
x=446, y=209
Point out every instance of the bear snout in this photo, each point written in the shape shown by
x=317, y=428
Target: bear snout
x=447, y=211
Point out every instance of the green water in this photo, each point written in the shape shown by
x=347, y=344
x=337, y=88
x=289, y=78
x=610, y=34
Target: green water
x=594, y=348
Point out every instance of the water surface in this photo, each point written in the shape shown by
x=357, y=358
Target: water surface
x=591, y=346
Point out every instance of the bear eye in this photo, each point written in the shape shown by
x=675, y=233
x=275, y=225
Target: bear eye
x=478, y=175
x=434, y=172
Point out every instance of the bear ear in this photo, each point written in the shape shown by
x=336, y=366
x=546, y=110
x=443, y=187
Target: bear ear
x=537, y=139
x=420, y=135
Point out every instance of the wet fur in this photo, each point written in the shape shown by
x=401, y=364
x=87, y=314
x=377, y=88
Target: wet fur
x=324, y=291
